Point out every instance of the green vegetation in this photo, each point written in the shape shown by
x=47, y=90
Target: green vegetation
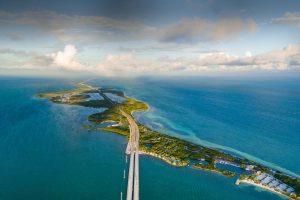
x=173, y=150
x=170, y=149
x=295, y=183
x=93, y=103
x=243, y=176
x=181, y=152
x=79, y=96
x=122, y=130
x=68, y=92
x=211, y=167
x=132, y=105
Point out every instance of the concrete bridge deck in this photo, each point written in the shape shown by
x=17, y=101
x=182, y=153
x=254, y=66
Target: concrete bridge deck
x=133, y=185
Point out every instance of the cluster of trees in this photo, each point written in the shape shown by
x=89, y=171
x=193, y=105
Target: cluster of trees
x=211, y=167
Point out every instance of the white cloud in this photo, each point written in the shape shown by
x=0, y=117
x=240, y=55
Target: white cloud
x=289, y=18
x=61, y=60
x=278, y=59
x=216, y=58
x=131, y=64
x=66, y=59
x=248, y=54
x=215, y=62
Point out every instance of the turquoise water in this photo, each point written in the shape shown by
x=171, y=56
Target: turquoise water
x=46, y=155
x=259, y=119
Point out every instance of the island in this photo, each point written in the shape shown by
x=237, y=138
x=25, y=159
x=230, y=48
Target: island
x=175, y=151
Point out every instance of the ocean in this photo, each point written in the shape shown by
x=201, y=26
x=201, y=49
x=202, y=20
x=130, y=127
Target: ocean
x=45, y=154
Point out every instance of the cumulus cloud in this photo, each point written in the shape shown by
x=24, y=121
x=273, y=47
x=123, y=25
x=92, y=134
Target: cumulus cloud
x=66, y=59
x=61, y=60
x=283, y=59
x=213, y=62
x=289, y=18
x=195, y=29
x=287, y=58
x=127, y=64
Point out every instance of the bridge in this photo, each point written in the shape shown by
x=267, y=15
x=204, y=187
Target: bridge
x=132, y=149
x=133, y=185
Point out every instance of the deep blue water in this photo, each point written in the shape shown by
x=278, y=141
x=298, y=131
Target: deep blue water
x=46, y=155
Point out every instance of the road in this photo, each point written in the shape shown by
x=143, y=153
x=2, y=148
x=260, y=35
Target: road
x=133, y=185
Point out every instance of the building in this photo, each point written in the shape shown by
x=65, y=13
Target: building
x=290, y=190
x=260, y=177
x=282, y=187
x=273, y=183
x=267, y=180
x=249, y=167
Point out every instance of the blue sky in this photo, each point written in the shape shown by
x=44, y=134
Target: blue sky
x=159, y=37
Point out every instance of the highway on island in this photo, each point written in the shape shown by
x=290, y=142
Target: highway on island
x=133, y=185
x=286, y=185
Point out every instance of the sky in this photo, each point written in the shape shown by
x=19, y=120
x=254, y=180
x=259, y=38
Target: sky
x=157, y=37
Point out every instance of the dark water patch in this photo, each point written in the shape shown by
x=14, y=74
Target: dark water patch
x=231, y=168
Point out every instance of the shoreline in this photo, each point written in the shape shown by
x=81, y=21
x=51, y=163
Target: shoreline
x=230, y=151
x=141, y=152
x=178, y=152
x=238, y=153
x=211, y=170
x=249, y=182
x=161, y=158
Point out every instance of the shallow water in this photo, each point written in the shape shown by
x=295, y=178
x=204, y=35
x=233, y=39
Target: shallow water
x=46, y=155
